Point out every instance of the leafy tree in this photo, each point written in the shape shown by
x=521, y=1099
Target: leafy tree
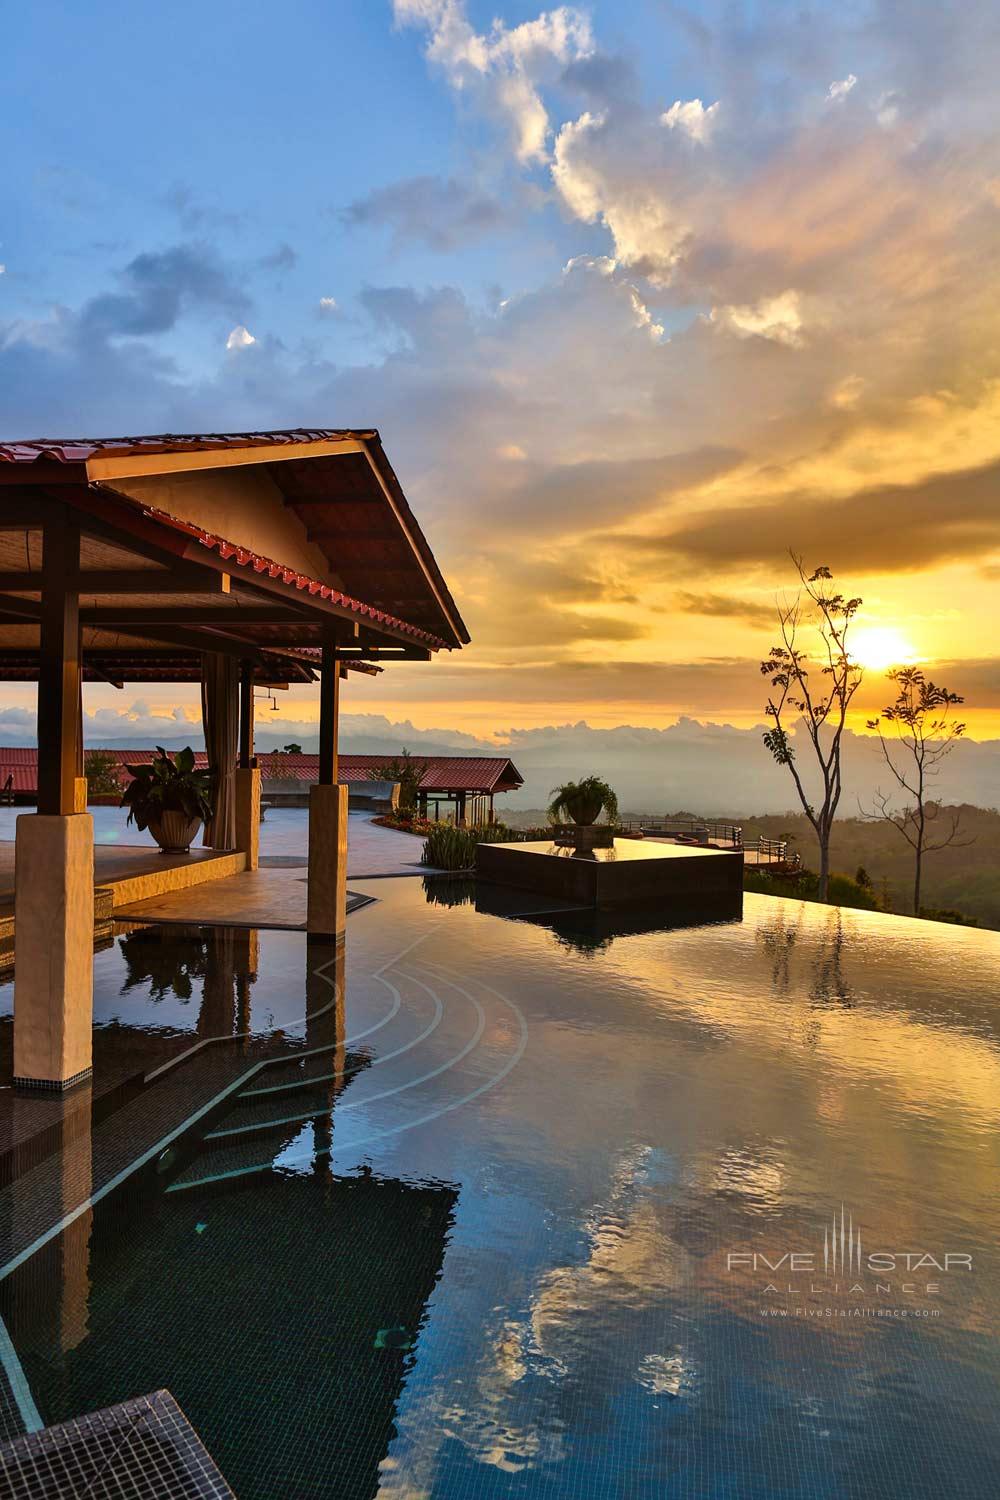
x=924, y=730
x=817, y=689
x=407, y=771
x=101, y=770
x=291, y=749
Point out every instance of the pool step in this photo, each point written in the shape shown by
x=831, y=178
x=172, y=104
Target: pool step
x=233, y=1148
x=234, y=1160
x=260, y=1123
x=321, y=1073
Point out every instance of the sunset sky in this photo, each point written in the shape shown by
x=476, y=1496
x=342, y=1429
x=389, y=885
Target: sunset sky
x=639, y=294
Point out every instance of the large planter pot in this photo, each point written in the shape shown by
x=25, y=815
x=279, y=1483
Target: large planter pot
x=174, y=831
x=584, y=810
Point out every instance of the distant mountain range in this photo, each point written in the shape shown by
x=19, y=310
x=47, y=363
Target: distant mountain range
x=713, y=769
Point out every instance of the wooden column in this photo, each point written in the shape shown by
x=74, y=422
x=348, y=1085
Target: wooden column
x=329, y=714
x=327, y=889
x=247, y=776
x=54, y=848
x=59, y=665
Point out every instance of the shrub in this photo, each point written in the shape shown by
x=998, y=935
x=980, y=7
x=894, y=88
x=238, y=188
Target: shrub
x=803, y=885
x=407, y=772
x=451, y=848
x=101, y=770
x=947, y=914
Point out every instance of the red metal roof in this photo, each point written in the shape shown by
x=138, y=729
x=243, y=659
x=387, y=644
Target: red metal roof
x=442, y=773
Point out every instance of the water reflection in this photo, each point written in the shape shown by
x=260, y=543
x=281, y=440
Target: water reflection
x=583, y=929
x=567, y=1324
x=297, y=1303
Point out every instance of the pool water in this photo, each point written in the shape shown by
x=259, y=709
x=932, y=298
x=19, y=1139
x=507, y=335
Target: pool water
x=497, y=1237
x=284, y=831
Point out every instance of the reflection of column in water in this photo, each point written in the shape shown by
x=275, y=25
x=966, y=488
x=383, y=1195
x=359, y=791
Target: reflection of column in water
x=325, y=1027
x=217, y=1016
x=230, y=965
x=64, y=1290
x=248, y=963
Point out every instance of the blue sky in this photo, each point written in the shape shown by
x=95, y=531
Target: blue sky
x=639, y=295
x=229, y=127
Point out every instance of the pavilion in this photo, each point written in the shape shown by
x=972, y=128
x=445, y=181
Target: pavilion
x=240, y=560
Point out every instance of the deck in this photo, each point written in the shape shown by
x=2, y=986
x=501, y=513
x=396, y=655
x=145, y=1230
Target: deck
x=133, y=872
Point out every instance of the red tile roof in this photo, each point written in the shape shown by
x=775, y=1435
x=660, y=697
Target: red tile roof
x=244, y=558
x=442, y=773
x=79, y=450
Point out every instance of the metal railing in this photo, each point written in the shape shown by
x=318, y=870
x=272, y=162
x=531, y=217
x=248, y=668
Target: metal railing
x=701, y=829
x=773, y=852
x=706, y=830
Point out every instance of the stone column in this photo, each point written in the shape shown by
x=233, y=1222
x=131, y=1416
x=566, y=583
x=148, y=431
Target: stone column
x=248, y=814
x=327, y=899
x=53, y=949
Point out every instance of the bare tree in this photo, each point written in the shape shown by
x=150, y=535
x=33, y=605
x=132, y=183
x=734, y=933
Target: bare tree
x=925, y=732
x=797, y=693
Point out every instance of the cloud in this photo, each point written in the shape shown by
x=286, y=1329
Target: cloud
x=504, y=68
x=240, y=338
x=551, y=495
x=281, y=258
x=158, y=287
x=691, y=117
x=440, y=212
x=600, y=78
x=883, y=528
x=785, y=331
x=725, y=607
x=196, y=216
x=839, y=90
x=777, y=318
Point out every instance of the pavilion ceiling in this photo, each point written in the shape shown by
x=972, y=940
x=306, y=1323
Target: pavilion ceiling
x=157, y=590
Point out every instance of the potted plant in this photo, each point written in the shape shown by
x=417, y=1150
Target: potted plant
x=582, y=802
x=170, y=798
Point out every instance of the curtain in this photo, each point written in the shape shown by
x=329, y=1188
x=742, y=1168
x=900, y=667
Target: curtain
x=220, y=691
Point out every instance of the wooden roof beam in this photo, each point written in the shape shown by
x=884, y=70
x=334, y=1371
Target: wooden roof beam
x=20, y=609
x=123, y=616
x=129, y=581
x=383, y=654
x=192, y=640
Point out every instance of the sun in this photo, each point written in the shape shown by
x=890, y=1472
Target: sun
x=879, y=647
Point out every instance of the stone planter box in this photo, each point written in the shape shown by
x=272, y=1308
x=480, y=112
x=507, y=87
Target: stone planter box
x=626, y=875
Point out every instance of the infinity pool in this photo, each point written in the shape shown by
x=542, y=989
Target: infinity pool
x=536, y=1210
